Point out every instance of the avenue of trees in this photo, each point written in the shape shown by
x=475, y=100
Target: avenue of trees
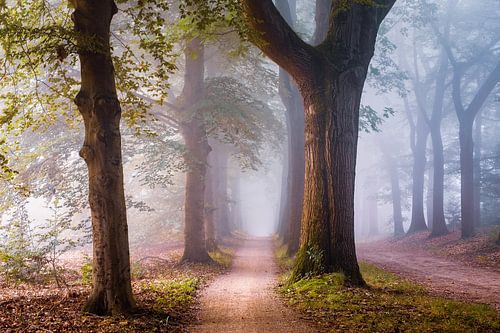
x=169, y=102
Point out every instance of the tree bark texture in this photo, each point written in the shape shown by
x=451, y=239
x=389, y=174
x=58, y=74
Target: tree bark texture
x=196, y=155
x=330, y=78
x=98, y=104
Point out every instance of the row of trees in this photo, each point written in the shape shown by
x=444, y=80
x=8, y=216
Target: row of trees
x=448, y=55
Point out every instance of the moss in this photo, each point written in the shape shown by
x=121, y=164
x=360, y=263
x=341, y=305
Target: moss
x=282, y=257
x=223, y=256
x=389, y=304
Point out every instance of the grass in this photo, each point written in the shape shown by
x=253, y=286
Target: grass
x=223, y=256
x=389, y=304
x=173, y=294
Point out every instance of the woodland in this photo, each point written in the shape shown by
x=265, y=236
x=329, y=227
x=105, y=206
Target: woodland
x=249, y=166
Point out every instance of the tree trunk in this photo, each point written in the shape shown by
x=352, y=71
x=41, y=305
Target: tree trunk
x=223, y=227
x=417, y=222
x=294, y=115
x=210, y=239
x=331, y=134
x=429, y=195
x=477, y=170
x=196, y=155
x=373, y=212
x=330, y=78
x=438, y=221
x=396, y=201
x=98, y=104
x=467, y=177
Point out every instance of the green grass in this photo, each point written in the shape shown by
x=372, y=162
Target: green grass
x=173, y=294
x=389, y=304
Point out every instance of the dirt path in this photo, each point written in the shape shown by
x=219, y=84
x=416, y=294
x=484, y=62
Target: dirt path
x=244, y=300
x=444, y=277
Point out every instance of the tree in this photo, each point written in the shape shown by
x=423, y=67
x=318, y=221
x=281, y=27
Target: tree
x=196, y=155
x=330, y=78
x=466, y=113
x=293, y=191
x=98, y=104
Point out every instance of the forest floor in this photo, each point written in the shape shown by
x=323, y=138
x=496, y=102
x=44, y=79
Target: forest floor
x=166, y=294
x=447, y=266
x=244, y=299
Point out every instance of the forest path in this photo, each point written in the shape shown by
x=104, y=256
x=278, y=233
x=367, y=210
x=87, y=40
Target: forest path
x=244, y=300
x=441, y=276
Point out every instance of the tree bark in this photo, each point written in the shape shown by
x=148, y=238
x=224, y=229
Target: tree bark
x=330, y=78
x=98, y=104
x=196, y=155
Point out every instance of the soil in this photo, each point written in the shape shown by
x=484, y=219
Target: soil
x=244, y=300
x=451, y=277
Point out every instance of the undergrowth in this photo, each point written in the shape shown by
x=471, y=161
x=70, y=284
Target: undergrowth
x=389, y=304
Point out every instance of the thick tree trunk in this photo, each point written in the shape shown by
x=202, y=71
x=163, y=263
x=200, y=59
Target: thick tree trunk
x=331, y=134
x=467, y=177
x=417, y=222
x=98, y=104
x=330, y=78
x=196, y=155
x=477, y=170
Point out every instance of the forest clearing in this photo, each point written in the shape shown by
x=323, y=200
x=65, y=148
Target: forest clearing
x=249, y=166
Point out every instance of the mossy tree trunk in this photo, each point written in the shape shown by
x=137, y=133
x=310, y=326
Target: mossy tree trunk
x=330, y=78
x=98, y=104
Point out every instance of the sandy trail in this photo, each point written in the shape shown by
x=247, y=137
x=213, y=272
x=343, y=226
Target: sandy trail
x=244, y=300
x=442, y=276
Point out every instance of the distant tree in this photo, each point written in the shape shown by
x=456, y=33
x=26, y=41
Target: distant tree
x=462, y=58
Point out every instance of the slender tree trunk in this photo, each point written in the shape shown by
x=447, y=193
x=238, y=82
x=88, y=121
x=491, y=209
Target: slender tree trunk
x=396, y=202
x=438, y=221
x=98, y=104
x=223, y=226
x=236, y=216
x=467, y=177
x=477, y=169
x=417, y=222
x=392, y=169
x=197, y=150
x=210, y=239
x=294, y=115
x=430, y=195
x=373, y=212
